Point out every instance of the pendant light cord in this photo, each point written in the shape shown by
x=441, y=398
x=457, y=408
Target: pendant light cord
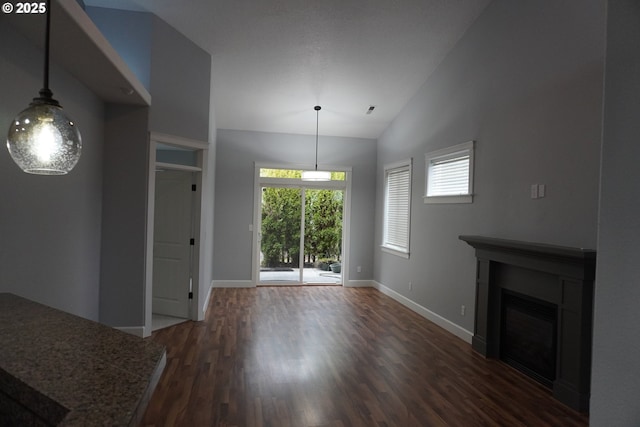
x=46, y=96
x=317, y=108
x=47, y=42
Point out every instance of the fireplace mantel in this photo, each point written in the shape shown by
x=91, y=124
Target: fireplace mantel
x=560, y=275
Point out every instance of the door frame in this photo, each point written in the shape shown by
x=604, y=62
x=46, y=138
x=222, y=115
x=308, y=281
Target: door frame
x=201, y=148
x=296, y=183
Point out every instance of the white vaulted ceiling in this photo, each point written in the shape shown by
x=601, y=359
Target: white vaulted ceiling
x=272, y=61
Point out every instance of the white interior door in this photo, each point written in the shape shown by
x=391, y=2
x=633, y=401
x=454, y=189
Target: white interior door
x=172, y=243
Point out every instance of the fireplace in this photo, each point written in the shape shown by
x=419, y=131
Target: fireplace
x=528, y=336
x=534, y=309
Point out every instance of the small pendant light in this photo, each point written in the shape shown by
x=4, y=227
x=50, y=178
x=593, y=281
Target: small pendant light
x=42, y=139
x=316, y=175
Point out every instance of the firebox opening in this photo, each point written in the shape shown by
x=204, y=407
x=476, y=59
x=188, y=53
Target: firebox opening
x=528, y=336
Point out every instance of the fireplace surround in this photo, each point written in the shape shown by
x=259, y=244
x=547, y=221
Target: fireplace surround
x=556, y=276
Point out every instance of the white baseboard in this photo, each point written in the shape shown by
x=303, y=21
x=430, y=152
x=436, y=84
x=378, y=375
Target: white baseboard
x=232, y=284
x=138, y=331
x=206, y=299
x=445, y=324
x=359, y=284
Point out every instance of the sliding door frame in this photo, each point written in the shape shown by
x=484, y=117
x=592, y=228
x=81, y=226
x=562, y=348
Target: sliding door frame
x=260, y=182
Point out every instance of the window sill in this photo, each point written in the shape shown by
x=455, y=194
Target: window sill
x=394, y=251
x=468, y=198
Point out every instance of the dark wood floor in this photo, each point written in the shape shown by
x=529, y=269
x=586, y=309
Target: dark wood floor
x=333, y=356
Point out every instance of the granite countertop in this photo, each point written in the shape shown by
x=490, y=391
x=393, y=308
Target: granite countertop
x=70, y=371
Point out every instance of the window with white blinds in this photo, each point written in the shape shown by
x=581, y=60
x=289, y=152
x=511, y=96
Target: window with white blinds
x=449, y=175
x=397, y=208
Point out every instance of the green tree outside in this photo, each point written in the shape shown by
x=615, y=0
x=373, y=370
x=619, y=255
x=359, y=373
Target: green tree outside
x=281, y=216
x=323, y=225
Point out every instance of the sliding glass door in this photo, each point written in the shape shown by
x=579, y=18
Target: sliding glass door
x=322, y=236
x=300, y=235
x=280, y=233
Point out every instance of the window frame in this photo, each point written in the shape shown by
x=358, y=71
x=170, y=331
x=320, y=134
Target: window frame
x=466, y=148
x=391, y=248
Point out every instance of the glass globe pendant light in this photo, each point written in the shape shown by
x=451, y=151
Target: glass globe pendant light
x=316, y=175
x=42, y=139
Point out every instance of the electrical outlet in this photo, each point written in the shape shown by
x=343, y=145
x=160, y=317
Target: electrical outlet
x=534, y=191
x=410, y=286
x=359, y=269
x=541, y=190
x=462, y=310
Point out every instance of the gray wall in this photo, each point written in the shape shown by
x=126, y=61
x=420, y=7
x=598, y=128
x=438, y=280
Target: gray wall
x=208, y=201
x=236, y=153
x=179, y=75
x=525, y=82
x=180, y=79
x=124, y=216
x=130, y=35
x=175, y=70
x=49, y=226
x=616, y=351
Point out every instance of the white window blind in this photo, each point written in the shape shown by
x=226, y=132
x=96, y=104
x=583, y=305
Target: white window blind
x=397, y=207
x=449, y=175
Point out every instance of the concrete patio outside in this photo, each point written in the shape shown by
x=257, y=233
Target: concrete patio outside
x=311, y=276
